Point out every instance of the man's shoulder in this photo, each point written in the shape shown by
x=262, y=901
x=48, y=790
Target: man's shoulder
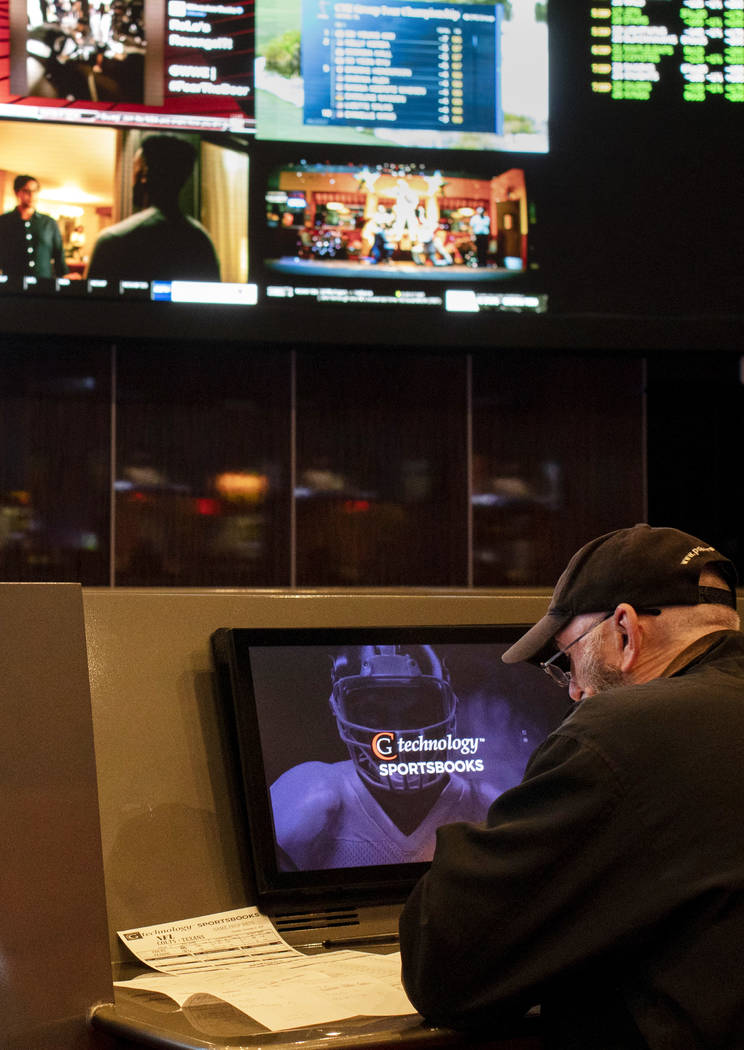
x=138, y=221
x=620, y=711
x=334, y=773
x=707, y=698
x=321, y=785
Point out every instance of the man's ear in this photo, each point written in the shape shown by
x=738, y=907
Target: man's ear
x=628, y=636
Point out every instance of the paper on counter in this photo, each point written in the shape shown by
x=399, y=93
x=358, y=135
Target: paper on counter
x=239, y=958
x=209, y=942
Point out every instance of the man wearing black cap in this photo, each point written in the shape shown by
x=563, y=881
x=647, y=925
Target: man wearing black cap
x=608, y=887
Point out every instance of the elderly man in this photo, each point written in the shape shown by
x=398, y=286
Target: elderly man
x=608, y=887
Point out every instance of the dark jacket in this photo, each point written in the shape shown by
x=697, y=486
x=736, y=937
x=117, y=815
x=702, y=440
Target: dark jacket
x=31, y=247
x=153, y=246
x=609, y=885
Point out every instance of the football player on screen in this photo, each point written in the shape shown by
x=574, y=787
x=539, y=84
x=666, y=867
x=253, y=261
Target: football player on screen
x=395, y=711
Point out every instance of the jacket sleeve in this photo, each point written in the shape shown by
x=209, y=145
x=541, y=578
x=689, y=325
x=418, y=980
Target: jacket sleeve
x=58, y=251
x=542, y=886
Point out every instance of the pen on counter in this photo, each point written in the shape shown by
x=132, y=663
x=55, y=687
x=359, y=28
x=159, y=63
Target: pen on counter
x=348, y=942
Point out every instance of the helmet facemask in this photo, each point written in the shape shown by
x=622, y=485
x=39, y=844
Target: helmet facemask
x=394, y=698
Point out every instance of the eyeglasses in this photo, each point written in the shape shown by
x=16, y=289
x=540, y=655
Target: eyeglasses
x=559, y=675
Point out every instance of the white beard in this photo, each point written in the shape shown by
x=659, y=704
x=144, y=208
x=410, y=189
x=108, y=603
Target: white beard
x=596, y=674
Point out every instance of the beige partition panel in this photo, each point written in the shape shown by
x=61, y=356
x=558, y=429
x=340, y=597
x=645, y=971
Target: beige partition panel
x=54, y=952
x=169, y=835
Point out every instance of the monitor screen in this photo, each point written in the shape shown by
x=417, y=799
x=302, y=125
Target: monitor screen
x=405, y=74
x=356, y=744
x=91, y=235
x=393, y=231
x=180, y=65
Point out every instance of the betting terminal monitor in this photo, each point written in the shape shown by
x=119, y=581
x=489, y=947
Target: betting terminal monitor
x=354, y=745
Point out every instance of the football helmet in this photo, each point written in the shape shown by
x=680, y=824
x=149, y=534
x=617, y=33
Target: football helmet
x=386, y=695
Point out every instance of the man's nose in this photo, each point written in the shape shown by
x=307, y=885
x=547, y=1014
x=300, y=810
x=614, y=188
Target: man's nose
x=575, y=691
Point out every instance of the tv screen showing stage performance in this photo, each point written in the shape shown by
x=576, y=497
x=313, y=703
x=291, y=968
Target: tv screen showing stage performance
x=413, y=232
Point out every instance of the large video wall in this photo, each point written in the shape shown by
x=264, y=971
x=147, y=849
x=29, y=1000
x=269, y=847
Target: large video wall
x=519, y=172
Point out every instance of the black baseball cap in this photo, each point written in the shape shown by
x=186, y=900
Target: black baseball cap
x=644, y=566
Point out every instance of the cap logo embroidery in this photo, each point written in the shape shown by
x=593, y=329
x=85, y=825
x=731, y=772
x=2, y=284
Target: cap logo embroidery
x=694, y=553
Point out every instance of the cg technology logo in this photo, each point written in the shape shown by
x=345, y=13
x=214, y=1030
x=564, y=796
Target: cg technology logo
x=387, y=748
